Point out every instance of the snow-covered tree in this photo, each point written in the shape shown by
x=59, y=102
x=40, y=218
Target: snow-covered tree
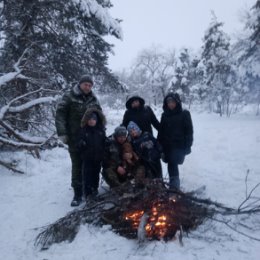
x=65, y=38
x=188, y=77
x=152, y=72
x=215, y=58
x=197, y=88
x=182, y=77
x=247, y=50
x=45, y=47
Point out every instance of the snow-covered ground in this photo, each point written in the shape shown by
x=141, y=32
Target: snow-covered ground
x=224, y=149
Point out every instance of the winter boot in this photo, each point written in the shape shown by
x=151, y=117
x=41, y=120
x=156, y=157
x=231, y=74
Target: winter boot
x=92, y=195
x=175, y=183
x=77, y=199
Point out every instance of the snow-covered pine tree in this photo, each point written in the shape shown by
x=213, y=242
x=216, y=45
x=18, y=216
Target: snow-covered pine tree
x=182, y=75
x=64, y=38
x=45, y=47
x=196, y=87
x=247, y=49
x=215, y=58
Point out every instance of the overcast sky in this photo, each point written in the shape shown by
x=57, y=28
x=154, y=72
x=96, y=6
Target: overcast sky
x=169, y=23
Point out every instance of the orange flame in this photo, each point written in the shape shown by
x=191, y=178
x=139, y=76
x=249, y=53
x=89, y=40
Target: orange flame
x=159, y=222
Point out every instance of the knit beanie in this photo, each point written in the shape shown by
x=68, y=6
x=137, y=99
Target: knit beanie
x=86, y=78
x=133, y=126
x=120, y=131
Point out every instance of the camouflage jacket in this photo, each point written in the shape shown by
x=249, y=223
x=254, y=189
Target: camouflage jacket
x=113, y=154
x=70, y=111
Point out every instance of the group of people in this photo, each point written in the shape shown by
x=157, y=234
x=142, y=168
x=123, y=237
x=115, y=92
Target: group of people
x=131, y=152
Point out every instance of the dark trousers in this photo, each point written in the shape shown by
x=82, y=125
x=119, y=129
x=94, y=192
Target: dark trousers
x=90, y=171
x=175, y=157
x=153, y=169
x=76, y=172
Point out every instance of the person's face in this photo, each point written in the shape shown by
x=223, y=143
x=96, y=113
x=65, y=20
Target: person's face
x=127, y=156
x=171, y=105
x=133, y=133
x=121, y=139
x=85, y=87
x=92, y=122
x=135, y=104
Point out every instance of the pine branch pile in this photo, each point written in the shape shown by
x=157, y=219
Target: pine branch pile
x=143, y=212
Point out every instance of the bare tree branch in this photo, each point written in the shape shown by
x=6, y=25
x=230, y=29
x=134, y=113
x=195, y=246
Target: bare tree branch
x=9, y=166
x=32, y=103
x=20, y=137
x=18, y=71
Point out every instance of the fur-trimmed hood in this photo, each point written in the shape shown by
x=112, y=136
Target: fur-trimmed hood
x=101, y=117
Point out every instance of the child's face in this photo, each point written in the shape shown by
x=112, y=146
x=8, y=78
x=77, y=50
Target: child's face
x=127, y=156
x=121, y=139
x=133, y=133
x=92, y=122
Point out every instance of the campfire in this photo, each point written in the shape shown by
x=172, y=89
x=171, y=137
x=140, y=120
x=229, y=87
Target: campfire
x=159, y=221
x=155, y=213
x=156, y=225
x=149, y=212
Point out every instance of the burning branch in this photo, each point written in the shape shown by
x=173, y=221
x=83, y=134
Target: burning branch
x=152, y=212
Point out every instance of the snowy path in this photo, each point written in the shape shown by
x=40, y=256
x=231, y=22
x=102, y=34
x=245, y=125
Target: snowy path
x=224, y=149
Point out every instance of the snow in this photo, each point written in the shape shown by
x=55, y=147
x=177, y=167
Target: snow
x=32, y=103
x=21, y=144
x=224, y=149
x=7, y=77
x=91, y=7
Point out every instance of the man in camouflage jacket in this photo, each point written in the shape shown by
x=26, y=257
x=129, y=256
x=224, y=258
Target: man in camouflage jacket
x=69, y=113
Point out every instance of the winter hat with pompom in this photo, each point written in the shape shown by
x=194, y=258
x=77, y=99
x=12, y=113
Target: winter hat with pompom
x=133, y=126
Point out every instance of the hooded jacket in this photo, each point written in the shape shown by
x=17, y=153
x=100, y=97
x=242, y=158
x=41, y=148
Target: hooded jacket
x=91, y=140
x=176, y=129
x=143, y=116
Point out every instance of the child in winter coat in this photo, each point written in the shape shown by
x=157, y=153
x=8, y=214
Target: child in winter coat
x=129, y=157
x=91, y=141
x=148, y=150
x=119, y=164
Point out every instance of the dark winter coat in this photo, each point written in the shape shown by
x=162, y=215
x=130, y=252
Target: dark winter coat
x=149, y=152
x=176, y=130
x=147, y=147
x=70, y=111
x=144, y=116
x=91, y=140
